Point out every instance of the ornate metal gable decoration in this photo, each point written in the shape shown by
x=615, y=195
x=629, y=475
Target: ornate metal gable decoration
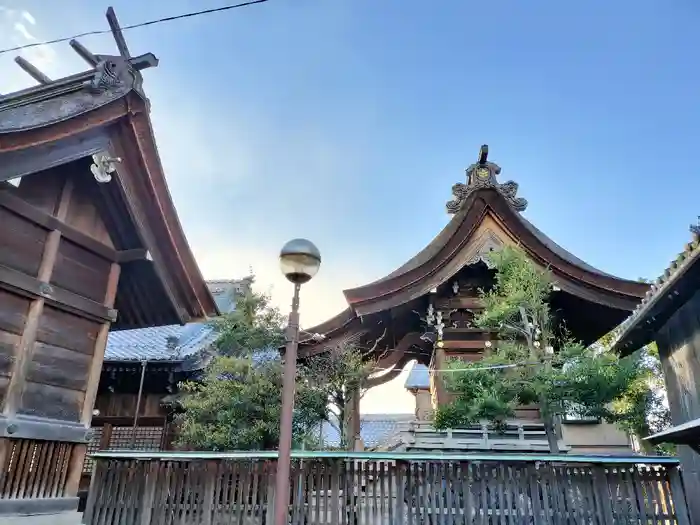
x=482, y=174
x=490, y=242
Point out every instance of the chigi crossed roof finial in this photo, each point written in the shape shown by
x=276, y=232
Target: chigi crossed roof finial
x=110, y=71
x=483, y=174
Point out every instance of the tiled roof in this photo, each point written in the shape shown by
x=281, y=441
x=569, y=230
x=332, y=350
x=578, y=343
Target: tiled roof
x=173, y=342
x=677, y=267
x=154, y=344
x=418, y=378
x=375, y=429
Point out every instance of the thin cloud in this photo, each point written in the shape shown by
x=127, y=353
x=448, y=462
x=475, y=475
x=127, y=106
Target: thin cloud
x=22, y=29
x=28, y=17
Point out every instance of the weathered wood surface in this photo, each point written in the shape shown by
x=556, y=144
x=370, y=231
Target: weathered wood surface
x=34, y=469
x=353, y=489
x=679, y=350
x=57, y=289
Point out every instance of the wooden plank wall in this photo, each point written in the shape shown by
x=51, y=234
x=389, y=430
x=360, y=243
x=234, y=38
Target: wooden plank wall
x=679, y=350
x=51, y=349
x=123, y=405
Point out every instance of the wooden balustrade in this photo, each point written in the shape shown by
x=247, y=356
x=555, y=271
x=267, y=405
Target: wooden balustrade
x=516, y=436
x=35, y=469
x=384, y=489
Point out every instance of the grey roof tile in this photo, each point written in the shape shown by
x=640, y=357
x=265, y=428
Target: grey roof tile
x=375, y=429
x=418, y=378
x=151, y=344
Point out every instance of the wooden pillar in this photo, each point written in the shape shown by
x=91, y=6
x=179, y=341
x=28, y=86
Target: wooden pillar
x=439, y=365
x=75, y=469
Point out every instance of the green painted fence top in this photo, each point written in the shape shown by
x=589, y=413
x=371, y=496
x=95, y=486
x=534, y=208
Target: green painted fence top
x=382, y=456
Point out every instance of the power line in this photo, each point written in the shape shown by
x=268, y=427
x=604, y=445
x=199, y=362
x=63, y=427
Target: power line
x=134, y=26
x=473, y=368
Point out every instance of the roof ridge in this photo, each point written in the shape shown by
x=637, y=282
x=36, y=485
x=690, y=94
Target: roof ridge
x=690, y=254
x=107, y=71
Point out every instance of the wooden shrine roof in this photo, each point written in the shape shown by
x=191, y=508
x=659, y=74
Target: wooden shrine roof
x=103, y=113
x=667, y=294
x=482, y=195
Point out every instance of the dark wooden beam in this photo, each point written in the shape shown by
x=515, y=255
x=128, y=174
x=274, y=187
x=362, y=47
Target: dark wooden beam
x=453, y=303
x=39, y=158
x=137, y=254
x=29, y=427
x=59, y=297
x=37, y=506
x=32, y=70
x=49, y=222
x=121, y=421
x=117, y=33
x=84, y=52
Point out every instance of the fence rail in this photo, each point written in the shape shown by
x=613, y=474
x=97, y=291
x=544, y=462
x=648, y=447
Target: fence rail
x=385, y=489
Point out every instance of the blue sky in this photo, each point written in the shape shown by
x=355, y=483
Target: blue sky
x=348, y=121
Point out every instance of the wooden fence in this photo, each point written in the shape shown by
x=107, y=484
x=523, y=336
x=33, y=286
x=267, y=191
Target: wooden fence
x=384, y=489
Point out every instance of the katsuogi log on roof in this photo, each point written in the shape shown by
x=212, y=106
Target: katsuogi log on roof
x=93, y=128
x=486, y=215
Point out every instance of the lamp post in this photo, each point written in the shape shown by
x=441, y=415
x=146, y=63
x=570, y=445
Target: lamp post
x=299, y=262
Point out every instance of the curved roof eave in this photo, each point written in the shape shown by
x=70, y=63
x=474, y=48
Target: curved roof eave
x=200, y=303
x=427, y=263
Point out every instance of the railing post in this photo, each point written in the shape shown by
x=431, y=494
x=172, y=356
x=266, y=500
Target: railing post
x=211, y=477
x=149, y=491
x=678, y=496
x=603, y=493
x=98, y=472
x=401, y=490
x=271, y=492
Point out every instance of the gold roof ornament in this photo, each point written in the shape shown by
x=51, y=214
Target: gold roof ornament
x=483, y=174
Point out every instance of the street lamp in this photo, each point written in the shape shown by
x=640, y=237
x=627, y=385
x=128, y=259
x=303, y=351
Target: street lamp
x=299, y=262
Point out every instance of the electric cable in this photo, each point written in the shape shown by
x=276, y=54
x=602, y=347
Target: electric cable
x=133, y=26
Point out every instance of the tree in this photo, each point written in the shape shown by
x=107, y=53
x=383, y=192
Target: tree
x=343, y=370
x=236, y=405
x=534, y=361
x=645, y=403
x=254, y=324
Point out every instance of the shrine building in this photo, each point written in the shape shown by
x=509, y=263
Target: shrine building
x=423, y=311
x=90, y=244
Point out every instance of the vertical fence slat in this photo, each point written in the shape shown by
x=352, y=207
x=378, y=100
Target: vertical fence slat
x=361, y=490
x=679, y=501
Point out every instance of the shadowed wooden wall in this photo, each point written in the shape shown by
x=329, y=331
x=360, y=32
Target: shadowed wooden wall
x=57, y=291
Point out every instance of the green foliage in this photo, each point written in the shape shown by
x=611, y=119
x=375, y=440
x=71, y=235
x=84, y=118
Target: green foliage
x=253, y=325
x=342, y=370
x=519, y=285
x=524, y=367
x=236, y=406
x=644, y=402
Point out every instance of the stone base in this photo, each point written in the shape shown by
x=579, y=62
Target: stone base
x=61, y=518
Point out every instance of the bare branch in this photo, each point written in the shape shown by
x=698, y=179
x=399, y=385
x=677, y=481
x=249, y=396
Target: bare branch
x=376, y=344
